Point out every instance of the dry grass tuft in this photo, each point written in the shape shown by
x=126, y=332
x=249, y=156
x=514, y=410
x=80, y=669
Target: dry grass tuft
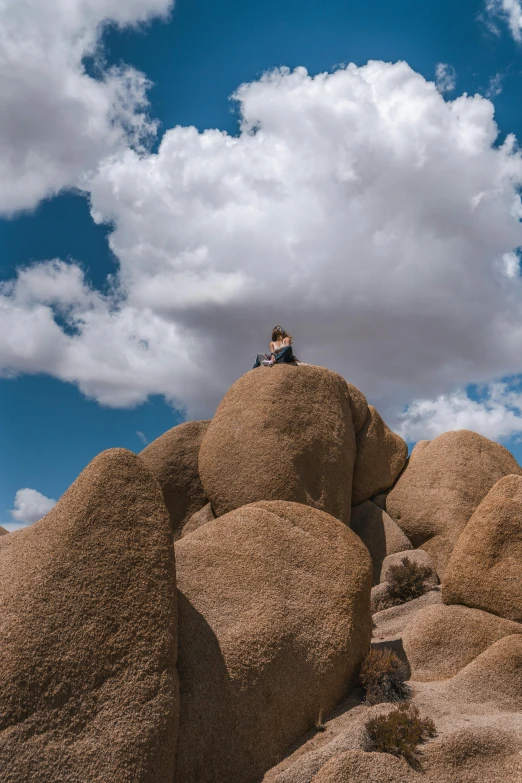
x=407, y=581
x=400, y=732
x=382, y=677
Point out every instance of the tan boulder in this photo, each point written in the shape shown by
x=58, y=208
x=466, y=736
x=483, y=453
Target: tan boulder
x=381, y=455
x=198, y=519
x=173, y=460
x=379, y=533
x=281, y=433
x=3, y=531
x=443, y=483
x=493, y=680
x=274, y=622
x=485, y=569
x=441, y=640
x=474, y=754
x=361, y=767
x=88, y=634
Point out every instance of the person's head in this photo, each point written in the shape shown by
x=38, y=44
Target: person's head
x=278, y=334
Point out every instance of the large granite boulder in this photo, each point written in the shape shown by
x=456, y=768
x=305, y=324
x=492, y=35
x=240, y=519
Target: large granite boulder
x=381, y=455
x=443, y=483
x=282, y=433
x=88, y=628
x=274, y=622
x=485, y=569
x=173, y=460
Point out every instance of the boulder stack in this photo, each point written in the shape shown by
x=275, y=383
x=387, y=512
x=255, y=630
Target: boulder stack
x=442, y=485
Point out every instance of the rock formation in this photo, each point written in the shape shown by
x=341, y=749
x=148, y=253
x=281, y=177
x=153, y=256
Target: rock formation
x=88, y=633
x=267, y=592
x=442, y=640
x=173, y=460
x=274, y=622
x=441, y=487
x=485, y=569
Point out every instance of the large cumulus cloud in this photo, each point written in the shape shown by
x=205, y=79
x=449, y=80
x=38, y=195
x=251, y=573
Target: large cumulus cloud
x=57, y=120
x=374, y=219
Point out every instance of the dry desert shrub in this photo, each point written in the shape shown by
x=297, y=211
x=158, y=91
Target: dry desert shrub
x=382, y=677
x=407, y=581
x=399, y=732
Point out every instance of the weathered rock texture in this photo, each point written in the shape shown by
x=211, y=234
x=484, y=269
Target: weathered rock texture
x=274, y=622
x=361, y=767
x=485, y=569
x=444, y=482
x=379, y=533
x=472, y=755
x=359, y=406
x=3, y=531
x=173, y=460
x=493, y=679
x=281, y=433
x=198, y=519
x=381, y=455
x=442, y=640
x=88, y=635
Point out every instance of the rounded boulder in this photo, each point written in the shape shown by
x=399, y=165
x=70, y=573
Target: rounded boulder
x=88, y=632
x=281, y=433
x=441, y=640
x=274, y=622
x=485, y=569
x=442, y=485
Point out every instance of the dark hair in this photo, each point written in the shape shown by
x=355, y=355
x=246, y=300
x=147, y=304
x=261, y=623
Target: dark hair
x=278, y=330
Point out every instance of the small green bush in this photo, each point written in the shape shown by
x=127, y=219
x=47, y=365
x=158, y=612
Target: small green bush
x=399, y=732
x=382, y=677
x=407, y=581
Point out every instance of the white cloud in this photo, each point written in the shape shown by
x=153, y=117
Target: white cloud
x=374, y=219
x=445, y=77
x=142, y=437
x=495, y=85
x=57, y=121
x=510, y=11
x=30, y=506
x=497, y=414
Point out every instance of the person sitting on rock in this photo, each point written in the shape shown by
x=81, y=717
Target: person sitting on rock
x=280, y=350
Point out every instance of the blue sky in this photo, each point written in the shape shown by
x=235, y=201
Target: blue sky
x=58, y=412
